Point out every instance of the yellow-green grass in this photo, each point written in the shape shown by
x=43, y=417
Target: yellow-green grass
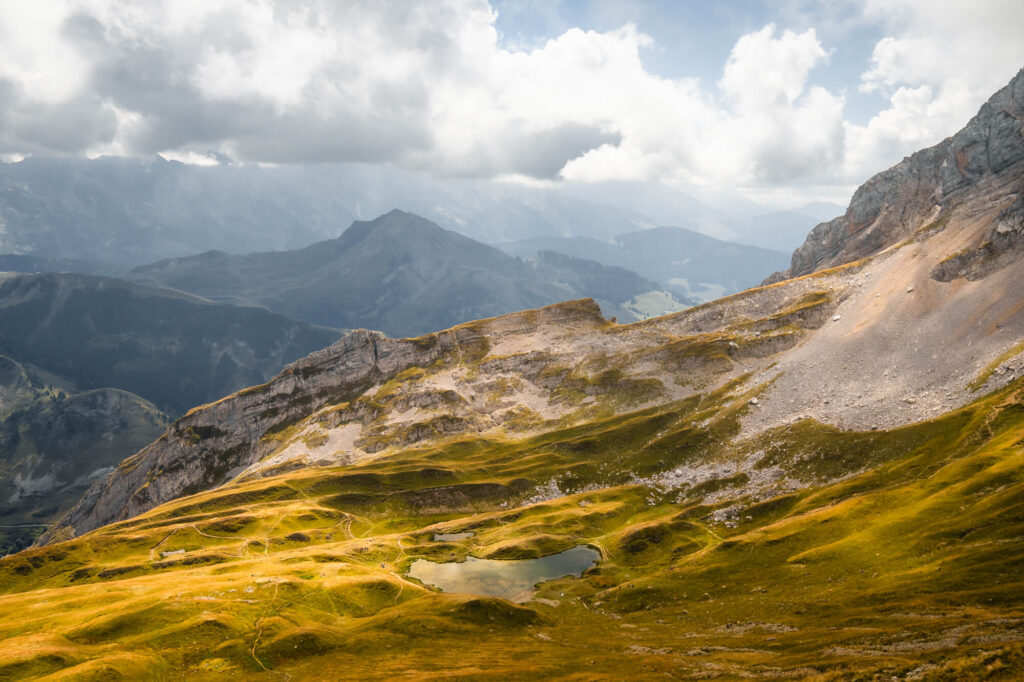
x=897, y=553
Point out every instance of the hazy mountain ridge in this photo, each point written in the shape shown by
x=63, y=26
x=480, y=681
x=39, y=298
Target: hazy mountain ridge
x=619, y=291
x=399, y=273
x=128, y=212
x=725, y=217
x=690, y=263
x=40, y=264
x=173, y=348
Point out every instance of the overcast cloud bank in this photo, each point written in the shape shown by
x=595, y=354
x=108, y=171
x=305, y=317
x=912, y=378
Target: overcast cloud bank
x=433, y=87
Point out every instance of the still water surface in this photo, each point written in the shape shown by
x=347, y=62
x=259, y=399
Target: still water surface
x=513, y=580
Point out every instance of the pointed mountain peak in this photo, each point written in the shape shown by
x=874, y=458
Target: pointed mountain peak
x=394, y=223
x=399, y=220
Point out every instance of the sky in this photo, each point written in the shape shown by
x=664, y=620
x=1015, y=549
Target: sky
x=780, y=102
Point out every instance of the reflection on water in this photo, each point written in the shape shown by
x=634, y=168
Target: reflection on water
x=513, y=580
x=451, y=537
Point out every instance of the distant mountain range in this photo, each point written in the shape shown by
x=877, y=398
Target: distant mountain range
x=726, y=217
x=172, y=348
x=784, y=230
x=12, y=262
x=401, y=274
x=692, y=264
x=128, y=212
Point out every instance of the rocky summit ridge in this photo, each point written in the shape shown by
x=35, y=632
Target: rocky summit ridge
x=402, y=274
x=984, y=156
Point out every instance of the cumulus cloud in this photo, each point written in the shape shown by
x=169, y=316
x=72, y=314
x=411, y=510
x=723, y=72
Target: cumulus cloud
x=422, y=85
x=432, y=86
x=762, y=123
x=939, y=62
x=786, y=129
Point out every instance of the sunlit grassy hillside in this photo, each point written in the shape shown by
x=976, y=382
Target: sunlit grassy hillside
x=902, y=557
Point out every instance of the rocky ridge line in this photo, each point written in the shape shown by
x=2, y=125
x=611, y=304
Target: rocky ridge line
x=887, y=208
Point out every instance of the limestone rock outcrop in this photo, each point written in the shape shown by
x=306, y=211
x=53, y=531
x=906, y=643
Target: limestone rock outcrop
x=892, y=205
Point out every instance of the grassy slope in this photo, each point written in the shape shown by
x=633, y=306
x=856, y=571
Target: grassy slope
x=909, y=562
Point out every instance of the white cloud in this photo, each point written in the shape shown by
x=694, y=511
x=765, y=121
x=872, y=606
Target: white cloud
x=426, y=86
x=763, y=124
x=940, y=62
x=781, y=129
x=976, y=45
x=763, y=69
x=32, y=55
x=432, y=86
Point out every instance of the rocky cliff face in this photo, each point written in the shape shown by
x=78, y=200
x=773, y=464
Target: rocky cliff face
x=893, y=204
